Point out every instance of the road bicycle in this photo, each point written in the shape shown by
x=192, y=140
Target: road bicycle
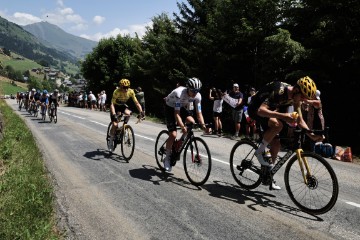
x=124, y=135
x=53, y=112
x=196, y=154
x=310, y=181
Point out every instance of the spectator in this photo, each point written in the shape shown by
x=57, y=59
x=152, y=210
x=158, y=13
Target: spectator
x=216, y=96
x=85, y=97
x=237, y=112
x=103, y=101
x=312, y=113
x=92, y=100
x=141, y=98
x=250, y=125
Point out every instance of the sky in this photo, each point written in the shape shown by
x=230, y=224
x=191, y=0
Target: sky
x=90, y=19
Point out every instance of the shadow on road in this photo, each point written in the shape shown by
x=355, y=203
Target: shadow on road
x=253, y=198
x=155, y=175
x=102, y=154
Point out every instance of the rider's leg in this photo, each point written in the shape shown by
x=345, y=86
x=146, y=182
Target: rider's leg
x=127, y=112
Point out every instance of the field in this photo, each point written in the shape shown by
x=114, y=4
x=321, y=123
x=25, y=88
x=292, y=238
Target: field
x=17, y=64
x=6, y=88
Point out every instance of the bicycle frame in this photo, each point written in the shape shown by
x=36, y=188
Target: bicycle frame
x=187, y=139
x=301, y=160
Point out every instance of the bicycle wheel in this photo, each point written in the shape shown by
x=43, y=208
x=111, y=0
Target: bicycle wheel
x=127, y=142
x=320, y=193
x=36, y=111
x=160, y=148
x=244, y=166
x=108, y=137
x=55, y=117
x=51, y=114
x=197, y=161
x=43, y=115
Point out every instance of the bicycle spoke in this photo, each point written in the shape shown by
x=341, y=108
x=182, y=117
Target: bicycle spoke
x=127, y=142
x=320, y=193
x=197, y=161
x=244, y=166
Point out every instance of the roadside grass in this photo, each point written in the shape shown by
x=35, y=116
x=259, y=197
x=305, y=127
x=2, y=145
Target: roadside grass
x=26, y=193
x=7, y=88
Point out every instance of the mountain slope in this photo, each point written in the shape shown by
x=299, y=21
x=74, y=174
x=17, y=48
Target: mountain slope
x=52, y=36
x=16, y=39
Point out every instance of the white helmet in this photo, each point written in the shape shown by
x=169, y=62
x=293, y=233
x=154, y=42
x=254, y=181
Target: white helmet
x=33, y=90
x=194, y=83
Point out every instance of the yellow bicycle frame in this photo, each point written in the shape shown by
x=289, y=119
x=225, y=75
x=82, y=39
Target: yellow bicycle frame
x=303, y=161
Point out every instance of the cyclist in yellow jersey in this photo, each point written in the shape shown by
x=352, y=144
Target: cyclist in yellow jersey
x=118, y=105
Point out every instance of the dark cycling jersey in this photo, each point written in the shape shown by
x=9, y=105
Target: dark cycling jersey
x=273, y=94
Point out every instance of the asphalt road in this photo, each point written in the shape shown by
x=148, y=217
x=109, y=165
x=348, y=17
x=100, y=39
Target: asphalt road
x=101, y=196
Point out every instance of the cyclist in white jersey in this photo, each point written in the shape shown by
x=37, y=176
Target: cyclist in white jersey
x=180, y=105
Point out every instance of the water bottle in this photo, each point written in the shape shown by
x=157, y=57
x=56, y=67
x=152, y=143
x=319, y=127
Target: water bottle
x=295, y=116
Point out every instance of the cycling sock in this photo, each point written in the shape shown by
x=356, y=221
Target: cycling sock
x=262, y=147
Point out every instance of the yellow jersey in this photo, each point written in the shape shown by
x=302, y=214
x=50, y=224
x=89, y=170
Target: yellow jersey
x=120, y=97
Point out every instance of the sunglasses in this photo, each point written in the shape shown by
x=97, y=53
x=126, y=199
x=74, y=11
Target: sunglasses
x=125, y=87
x=195, y=90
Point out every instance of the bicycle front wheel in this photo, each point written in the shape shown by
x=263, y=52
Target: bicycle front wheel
x=160, y=148
x=55, y=117
x=320, y=193
x=244, y=166
x=108, y=138
x=127, y=142
x=51, y=114
x=197, y=161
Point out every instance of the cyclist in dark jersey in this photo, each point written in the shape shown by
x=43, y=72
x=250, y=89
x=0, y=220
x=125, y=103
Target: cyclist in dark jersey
x=269, y=106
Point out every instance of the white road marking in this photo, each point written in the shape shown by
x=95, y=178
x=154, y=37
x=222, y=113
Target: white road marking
x=215, y=159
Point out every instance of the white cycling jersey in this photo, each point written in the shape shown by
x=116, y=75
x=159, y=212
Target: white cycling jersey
x=179, y=97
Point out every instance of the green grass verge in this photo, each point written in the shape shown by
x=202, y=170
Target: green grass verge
x=8, y=88
x=26, y=193
x=21, y=65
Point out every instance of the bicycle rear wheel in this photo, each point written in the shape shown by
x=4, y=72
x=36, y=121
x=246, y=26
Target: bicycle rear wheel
x=244, y=166
x=320, y=193
x=160, y=148
x=197, y=161
x=127, y=142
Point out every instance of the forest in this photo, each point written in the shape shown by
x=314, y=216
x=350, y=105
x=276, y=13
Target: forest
x=250, y=42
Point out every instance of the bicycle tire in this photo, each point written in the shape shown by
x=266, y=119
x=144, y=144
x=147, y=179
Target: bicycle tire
x=108, y=137
x=51, y=115
x=127, y=142
x=197, y=161
x=55, y=118
x=244, y=166
x=160, y=148
x=320, y=194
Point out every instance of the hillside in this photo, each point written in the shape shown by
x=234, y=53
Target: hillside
x=16, y=39
x=52, y=36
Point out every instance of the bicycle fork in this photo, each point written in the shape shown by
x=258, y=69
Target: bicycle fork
x=303, y=161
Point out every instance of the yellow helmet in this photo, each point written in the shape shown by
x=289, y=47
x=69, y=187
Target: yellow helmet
x=124, y=82
x=307, y=87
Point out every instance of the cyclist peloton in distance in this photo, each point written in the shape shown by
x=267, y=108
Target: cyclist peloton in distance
x=269, y=105
x=118, y=105
x=176, y=112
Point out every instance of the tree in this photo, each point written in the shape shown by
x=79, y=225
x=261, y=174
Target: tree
x=109, y=62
